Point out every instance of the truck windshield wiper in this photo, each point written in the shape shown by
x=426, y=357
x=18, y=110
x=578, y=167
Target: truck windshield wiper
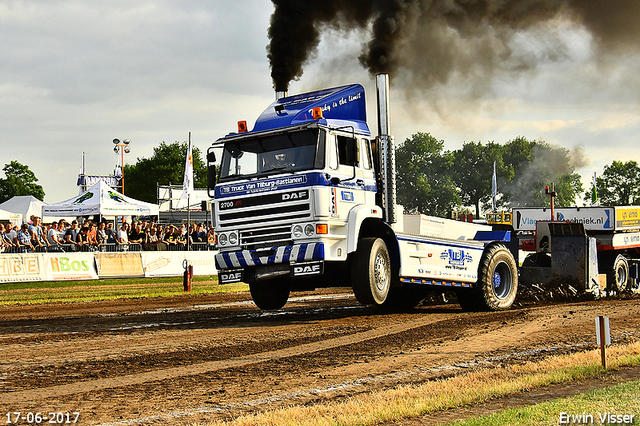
x=278, y=168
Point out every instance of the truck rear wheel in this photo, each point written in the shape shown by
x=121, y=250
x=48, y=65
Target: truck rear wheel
x=618, y=276
x=371, y=272
x=497, y=283
x=269, y=295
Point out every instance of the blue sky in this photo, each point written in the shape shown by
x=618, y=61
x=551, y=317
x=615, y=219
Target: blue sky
x=76, y=74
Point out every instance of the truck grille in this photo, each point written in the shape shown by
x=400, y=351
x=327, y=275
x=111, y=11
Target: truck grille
x=265, y=237
x=264, y=220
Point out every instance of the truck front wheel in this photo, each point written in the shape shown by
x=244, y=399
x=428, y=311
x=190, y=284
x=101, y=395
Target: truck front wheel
x=371, y=271
x=269, y=295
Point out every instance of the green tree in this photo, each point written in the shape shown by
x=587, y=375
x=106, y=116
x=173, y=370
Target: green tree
x=619, y=184
x=165, y=166
x=424, y=182
x=474, y=172
x=19, y=180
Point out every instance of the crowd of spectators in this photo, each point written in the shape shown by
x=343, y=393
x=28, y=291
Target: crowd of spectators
x=103, y=236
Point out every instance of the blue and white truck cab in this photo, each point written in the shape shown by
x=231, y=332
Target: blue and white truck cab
x=307, y=199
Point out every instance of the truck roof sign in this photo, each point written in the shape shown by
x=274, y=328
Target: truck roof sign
x=341, y=106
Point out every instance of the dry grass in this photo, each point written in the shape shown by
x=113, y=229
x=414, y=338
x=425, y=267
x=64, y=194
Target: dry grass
x=474, y=387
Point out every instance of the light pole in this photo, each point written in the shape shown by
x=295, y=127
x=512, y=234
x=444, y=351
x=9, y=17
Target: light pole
x=121, y=148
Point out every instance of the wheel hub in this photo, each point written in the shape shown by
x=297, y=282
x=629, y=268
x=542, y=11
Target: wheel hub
x=381, y=272
x=501, y=280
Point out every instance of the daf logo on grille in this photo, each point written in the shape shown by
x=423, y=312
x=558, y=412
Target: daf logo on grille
x=299, y=195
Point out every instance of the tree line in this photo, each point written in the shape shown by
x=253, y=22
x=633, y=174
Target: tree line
x=430, y=179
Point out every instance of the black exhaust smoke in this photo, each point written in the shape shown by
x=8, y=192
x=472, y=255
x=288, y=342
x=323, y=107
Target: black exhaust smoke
x=432, y=39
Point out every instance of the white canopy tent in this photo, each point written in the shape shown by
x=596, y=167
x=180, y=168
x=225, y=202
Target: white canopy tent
x=25, y=205
x=102, y=200
x=15, y=218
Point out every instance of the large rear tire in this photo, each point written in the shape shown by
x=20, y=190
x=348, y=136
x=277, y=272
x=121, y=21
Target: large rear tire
x=497, y=283
x=371, y=272
x=269, y=295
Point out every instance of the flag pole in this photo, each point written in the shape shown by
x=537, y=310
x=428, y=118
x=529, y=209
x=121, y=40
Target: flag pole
x=494, y=188
x=187, y=184
x=594, y=191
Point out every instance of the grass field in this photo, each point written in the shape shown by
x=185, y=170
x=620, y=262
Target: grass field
x=91, y=290
x=618, y=404
x=476, y=387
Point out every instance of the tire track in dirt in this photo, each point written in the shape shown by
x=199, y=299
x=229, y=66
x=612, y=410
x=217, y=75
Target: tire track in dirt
x=229, y=353
x=207, y=367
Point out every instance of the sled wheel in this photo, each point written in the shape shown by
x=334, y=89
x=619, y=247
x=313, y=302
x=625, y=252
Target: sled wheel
x=269, y=295
x=371, y=272
x=618, y=276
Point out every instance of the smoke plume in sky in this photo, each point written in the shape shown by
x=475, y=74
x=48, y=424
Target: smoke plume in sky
x=431, y=40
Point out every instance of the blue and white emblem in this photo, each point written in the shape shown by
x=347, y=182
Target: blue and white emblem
x=456, y=257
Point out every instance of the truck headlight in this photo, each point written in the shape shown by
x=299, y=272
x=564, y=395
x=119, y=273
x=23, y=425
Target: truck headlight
x=297, y=231
x=222, y=239
x=233, y=238
x=309, y=230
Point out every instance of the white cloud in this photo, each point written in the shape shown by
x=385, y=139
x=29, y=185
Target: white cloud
x=76, y=74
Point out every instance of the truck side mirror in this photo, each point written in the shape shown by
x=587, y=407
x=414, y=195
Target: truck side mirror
x=211, y=171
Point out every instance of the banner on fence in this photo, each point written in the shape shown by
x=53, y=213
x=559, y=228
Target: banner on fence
x=91, y=266
x=119, y=265
x=47, y=267
x=21, y=267
x=70, y=266
x=170, y=263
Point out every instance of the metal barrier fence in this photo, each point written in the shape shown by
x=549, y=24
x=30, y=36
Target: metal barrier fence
x=111, y=248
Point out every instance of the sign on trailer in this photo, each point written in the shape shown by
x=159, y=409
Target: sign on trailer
x=593, y=218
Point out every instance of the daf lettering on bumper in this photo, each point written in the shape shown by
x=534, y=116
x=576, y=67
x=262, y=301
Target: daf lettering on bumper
x=307, y=269
x=228, y=277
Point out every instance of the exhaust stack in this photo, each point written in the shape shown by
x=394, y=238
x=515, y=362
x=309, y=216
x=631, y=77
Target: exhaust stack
x=387, y=149
x=281, y=94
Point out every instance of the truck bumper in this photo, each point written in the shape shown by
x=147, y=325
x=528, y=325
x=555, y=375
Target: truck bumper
x=298, y=260
x=275, y=255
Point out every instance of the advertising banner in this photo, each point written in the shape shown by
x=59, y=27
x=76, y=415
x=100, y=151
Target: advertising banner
x=119, y=265
x=92, y=266
x=593, y=218
x=627, y=217
x=168, y=263
x=70, y=266
x=21, y=267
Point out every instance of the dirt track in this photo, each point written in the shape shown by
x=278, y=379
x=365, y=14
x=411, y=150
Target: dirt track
x=210, y=357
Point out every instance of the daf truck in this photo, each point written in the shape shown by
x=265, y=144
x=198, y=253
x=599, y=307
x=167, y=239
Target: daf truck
x=307, y=199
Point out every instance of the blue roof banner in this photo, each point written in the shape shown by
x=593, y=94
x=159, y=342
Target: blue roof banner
x=341, y=106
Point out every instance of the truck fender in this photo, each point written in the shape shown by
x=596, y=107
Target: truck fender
x=356, y=217
x=376, y=227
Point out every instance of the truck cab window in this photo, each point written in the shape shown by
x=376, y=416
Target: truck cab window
x=348, y=150
x=287, y=152
x=366, y=154
x=333, y=152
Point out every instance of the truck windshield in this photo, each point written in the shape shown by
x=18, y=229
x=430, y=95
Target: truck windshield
x=261, y=156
